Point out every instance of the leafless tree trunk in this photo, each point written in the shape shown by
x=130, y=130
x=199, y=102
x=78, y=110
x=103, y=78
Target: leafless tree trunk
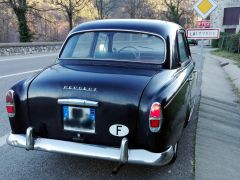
x=70, y=8
x=104, y=8
x=133, y=7
x=139, y=9
x=20, y=8
x=175, y=10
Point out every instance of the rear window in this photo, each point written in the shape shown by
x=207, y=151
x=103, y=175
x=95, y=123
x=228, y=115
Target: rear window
x=115, y=46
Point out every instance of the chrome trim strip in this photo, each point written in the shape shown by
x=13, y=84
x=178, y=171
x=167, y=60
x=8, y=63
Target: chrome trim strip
x=120, y=30
x=136, y=156
x=170, y=100
x=79, y=102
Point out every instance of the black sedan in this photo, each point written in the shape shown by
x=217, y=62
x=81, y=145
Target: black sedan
x=120, y=90
x=193, y=41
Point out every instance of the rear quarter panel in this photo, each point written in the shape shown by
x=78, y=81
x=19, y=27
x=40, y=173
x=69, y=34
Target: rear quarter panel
x=20, y=122
x=171, y=89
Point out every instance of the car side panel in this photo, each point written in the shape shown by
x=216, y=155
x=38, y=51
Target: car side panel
x=172, y=91
x=20, y=122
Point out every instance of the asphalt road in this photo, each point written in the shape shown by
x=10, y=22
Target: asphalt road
x=16, y=163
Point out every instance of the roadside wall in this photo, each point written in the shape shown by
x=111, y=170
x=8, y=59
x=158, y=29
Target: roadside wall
x=29, y=48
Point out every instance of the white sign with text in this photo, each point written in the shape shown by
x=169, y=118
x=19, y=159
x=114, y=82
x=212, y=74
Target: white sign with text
x=203, y=33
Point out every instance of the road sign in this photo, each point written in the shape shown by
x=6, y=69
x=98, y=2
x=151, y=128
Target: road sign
x=203, y=33
x=205, y=7
x=203, y=24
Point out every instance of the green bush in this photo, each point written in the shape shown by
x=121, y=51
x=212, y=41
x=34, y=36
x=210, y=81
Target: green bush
x=215, y=43
x=229, y=42
x=235, y=43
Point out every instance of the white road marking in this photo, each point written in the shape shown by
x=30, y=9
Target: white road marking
x=21, y=73
x=27, y=57
x=3, y=140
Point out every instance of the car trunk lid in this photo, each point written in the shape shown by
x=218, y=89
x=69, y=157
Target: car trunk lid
x=116, y=90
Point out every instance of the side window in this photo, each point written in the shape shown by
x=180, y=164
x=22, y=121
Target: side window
x=182, y=47
x=102, y=43
x=83, y=45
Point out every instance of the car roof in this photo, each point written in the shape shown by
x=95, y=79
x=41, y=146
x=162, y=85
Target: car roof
x=162, y=28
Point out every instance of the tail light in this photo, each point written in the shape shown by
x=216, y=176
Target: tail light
x=10, y=105
x=155, y=117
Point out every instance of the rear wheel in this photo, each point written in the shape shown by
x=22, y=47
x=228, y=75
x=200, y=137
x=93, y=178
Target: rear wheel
x=187, y=117
x=175, y=149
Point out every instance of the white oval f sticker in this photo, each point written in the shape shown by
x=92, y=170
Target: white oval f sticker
x=119, y=130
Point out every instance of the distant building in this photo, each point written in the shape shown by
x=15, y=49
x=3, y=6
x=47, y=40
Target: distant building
x=226, y=16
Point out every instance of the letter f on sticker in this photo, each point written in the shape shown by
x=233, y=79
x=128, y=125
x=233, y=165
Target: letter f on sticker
x=118, y=128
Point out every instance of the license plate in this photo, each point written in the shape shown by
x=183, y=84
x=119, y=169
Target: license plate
x=79, y=119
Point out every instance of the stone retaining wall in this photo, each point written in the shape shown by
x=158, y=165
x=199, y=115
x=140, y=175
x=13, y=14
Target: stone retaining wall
x=29, y=48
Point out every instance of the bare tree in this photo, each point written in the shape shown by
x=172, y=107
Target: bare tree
x=6, y=18
x=139, y=8
x=20, y=8
x=175, y=10
x=70, y=8
x=104, y=8
x=133, y=7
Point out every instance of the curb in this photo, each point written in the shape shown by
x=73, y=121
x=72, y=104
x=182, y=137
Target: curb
x=231, y=69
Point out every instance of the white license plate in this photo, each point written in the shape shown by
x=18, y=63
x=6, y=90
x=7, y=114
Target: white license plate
x=79, y=119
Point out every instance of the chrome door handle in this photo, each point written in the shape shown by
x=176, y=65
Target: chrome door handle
x=195, y=71
x=190, y=79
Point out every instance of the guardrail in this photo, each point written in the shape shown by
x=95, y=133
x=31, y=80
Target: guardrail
x=29, y=48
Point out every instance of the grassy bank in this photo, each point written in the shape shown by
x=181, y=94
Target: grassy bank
x=228, y=55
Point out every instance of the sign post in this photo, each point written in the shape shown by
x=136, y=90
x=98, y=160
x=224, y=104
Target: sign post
x=204, y=8
x=203, y=33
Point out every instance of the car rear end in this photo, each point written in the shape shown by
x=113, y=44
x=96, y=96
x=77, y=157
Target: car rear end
x=89, y=106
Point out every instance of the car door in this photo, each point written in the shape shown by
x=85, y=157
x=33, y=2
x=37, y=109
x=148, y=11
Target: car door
x=185, y=59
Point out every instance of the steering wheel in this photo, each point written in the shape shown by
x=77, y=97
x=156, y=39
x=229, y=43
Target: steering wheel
x=136, y=52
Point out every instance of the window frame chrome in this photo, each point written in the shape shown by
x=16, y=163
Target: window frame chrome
x=117, y=30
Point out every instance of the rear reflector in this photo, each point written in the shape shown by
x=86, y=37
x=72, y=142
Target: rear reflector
x=10, y=109
x=154, y=123
x=155, y=117
x=10, y=105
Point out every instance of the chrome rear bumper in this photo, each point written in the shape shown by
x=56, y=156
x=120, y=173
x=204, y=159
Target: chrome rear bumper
x=122, y=154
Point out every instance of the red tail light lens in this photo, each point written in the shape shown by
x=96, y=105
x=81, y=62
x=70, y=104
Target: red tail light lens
x=154, y=123
x=10, y=106
x=155, y=117
x=10, y=109
x=155, y=110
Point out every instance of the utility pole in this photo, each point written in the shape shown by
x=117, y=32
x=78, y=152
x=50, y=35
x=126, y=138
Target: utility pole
x=101, y=9
x=187, y=14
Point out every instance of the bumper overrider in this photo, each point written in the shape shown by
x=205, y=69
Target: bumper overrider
x=122, y=154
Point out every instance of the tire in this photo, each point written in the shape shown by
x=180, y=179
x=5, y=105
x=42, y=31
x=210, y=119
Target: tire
x=175, y=149
x=187, y=117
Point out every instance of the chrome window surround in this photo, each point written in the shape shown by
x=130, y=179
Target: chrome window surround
x=117, y=30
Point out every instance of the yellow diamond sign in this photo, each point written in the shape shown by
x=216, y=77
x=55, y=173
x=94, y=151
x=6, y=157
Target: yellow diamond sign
x=205, y=7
